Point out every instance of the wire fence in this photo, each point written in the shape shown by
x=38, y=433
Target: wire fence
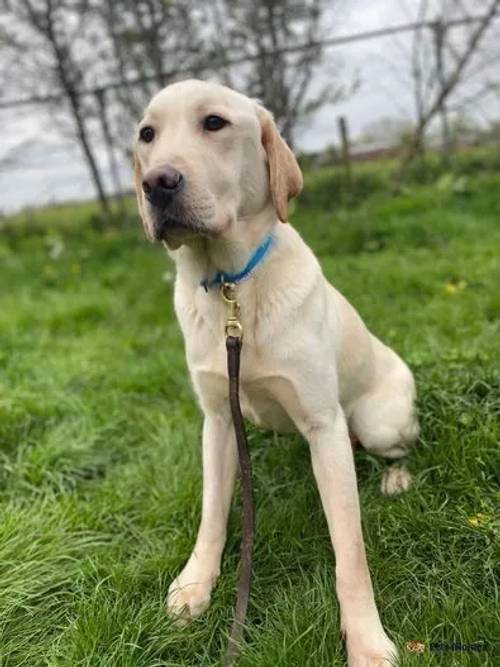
x=67, y=178
x=219, y=63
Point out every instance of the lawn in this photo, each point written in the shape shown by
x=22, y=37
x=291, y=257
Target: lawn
x=100, y=474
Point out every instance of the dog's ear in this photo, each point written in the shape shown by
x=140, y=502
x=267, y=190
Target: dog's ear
x=138, y=192
x=285, y=176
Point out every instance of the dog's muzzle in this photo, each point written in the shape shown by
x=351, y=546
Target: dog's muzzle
x=161, y=187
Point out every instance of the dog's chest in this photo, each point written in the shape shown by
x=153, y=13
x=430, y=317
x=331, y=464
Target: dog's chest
x=263, y=402
x=270, y=390
x=268, y=397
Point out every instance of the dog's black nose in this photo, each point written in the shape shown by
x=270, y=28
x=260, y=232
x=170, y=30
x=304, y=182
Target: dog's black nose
x=161, y=183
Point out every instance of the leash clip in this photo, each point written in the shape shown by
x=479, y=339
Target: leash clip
x=233, y=325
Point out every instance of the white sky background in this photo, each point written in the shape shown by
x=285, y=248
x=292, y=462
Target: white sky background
x=46, y=167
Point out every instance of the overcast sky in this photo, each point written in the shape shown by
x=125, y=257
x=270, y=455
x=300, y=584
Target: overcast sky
x=51, y=168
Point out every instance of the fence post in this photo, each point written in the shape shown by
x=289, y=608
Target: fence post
x=346, y=153
x=439, y=30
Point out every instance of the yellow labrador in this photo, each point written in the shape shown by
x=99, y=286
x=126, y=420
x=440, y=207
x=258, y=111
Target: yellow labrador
x=213, y=179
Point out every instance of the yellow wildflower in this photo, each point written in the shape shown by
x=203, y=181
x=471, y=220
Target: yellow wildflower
x=479, y=519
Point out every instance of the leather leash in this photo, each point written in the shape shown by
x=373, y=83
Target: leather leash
x=234, y=341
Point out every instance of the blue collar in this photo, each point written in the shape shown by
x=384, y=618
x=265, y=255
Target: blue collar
x=257, y=258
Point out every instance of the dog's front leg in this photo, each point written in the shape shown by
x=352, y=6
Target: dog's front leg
x=333, y=466
x=189, y=594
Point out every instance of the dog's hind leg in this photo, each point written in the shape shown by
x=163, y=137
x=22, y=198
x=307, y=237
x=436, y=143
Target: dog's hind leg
x=385, y=423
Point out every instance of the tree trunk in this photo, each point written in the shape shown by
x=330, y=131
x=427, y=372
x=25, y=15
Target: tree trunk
x=83, y=137
x=63, y=65
x=110, y=147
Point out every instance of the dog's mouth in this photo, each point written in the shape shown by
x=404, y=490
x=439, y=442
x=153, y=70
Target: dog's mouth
x=180, y=221
x=166, y=225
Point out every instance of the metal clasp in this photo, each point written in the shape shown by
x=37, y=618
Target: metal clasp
x=233, y=325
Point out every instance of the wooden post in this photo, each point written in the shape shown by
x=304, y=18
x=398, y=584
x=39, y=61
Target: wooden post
x=346, y=153
x=439, y=30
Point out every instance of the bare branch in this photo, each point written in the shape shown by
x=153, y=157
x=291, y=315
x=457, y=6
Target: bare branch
x=448, y=84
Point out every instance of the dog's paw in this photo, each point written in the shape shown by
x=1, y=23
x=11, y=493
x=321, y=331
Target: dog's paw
x=395, y=479
x=186, y=601
x=381, y=653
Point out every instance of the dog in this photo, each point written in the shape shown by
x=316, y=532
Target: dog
x=213, y=178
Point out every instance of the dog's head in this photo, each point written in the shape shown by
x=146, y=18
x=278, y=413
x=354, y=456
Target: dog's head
x=205, y=157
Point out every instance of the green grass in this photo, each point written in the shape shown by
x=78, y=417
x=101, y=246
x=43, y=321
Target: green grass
x=100, y=472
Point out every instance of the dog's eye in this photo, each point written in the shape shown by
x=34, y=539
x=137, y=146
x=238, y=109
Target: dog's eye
x=146, y=134
x=214, y=123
